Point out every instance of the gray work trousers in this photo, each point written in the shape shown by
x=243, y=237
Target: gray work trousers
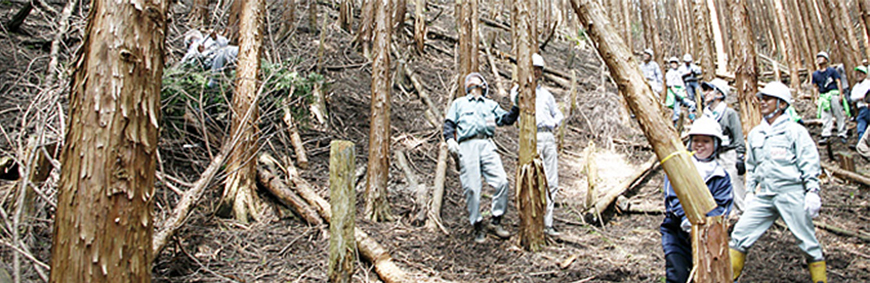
x=549, y=154
x=728, y=160
x=828, y=118
x=478, y=158
x=765, y=209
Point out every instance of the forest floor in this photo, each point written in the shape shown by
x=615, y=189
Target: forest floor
x=280, y=247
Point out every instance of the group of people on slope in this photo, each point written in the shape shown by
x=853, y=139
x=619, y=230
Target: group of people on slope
x=779, y=160
x=468, y=128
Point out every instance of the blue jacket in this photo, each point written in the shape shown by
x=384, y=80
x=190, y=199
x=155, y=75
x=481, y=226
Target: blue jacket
x=720, y=187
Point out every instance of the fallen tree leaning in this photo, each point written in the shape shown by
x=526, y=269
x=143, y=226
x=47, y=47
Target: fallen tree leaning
x=604, y=201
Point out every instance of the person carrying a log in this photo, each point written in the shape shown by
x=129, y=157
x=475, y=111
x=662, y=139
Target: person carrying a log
x=782, y=169
x=676, y=95
x=690, y=73
x=828, y=83
x=468, y=126
x=859, y=96
x=651, y=71
x=548, y=117
x=732, y=149
x=705, y=139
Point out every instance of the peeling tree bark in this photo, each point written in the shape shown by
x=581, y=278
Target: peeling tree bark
x=377, y=208
x=746, y=69
x=239, y=192
x=469, y=39
x=531, y=185
x=103, y=226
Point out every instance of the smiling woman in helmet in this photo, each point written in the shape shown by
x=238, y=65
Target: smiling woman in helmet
x=705, y=140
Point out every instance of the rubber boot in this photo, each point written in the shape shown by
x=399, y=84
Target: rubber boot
x=737, y=259
x=818, y=271
x=498, y=229
x=479, y=236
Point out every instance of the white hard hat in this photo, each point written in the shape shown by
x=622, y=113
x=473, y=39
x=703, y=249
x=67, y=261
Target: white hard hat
x=537, y=60
x=823, y=54
x=719, y=85
x=673, y=59
x=706, y=126
x=687, y=57
x=776, y=89
x=648, y=51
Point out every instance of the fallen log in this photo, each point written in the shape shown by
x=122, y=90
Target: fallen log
x=434, y=214
x=370, y=249
x=186, y=204
x=432, y=115
x=418, y=188
x=846, y=174
x=278, y=188
x=295, y=139
x=608, y=198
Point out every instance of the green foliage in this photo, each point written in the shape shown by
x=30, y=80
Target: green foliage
x=579, y=38
x=187, y=89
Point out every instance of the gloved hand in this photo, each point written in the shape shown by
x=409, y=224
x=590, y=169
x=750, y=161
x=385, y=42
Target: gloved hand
x=686, y=225
x=453, y=146
x=812, y=204
x=748, y=199
x=741, y=167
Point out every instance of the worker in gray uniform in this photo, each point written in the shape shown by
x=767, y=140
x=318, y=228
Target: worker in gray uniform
x=782, y=180
x=468, y=128
x=732, y=148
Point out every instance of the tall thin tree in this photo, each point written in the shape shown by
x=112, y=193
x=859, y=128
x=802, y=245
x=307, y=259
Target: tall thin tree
x=103, y=226
x=746, y=69
x=788, y=49
x=239, y=195
x=377, y=208
x=530, y=189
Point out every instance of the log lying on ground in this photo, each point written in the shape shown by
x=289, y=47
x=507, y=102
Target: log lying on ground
x=186, y=204
x=432, y=111
x=295, y=139
x=370, y=249
x=604, y=201
x=280, y=190
x=846, y=174
x=434, y=215
x=419, y=189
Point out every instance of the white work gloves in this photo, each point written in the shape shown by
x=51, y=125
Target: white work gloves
x=453, y=146
x=812, y=204
x=686, y=225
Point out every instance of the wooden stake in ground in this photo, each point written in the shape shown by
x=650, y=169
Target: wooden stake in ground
x=103, y=225
x=674, y=157
x=711, y=261
x=239, y=196
x=342, y=246
x=591, y=174
x=419, y=24
x=377, y=208
x=746, y=70
x=531, y=184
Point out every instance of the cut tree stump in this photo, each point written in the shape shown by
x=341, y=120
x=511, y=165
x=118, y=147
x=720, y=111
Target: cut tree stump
x=342, y=245
x=708, y=240
x=847, y=162
x=370, y=249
